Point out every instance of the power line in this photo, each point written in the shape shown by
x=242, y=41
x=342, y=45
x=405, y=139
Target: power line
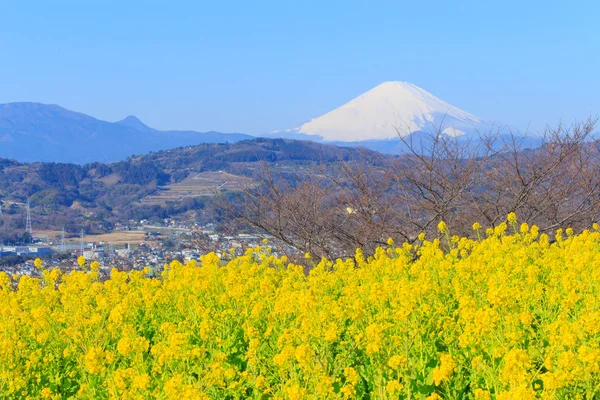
x=82, y=242
x=62, y=241
x=28, y=227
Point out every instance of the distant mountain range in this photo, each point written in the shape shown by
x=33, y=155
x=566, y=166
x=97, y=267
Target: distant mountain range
x=374, y=120
x=42, y=132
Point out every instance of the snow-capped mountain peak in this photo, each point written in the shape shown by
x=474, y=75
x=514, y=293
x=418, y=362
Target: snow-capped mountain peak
x=388, y=110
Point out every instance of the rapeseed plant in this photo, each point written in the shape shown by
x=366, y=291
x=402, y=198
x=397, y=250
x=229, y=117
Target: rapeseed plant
x=509, y=315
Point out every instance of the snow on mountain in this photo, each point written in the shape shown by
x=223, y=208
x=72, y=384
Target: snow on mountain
x=389, y=110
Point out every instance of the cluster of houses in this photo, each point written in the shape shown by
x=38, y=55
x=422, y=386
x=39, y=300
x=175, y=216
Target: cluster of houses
x=165, y=243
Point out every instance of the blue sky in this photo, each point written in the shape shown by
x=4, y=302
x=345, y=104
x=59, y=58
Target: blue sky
x=257, y=66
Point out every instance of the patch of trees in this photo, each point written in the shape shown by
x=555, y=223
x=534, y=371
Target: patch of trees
x=53, y=198
x=141, y=174
x=151, y=213
x=9, y=261
x=11, y=238
x=248, y=155
x=61, y=175
x=12, y=177
x=100, y=170
x=4, y=163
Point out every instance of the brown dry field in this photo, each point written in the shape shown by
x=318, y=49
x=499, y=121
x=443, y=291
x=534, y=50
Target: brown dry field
x=118, y=237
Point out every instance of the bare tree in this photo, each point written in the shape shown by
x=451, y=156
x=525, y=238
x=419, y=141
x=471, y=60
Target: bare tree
x=333, y=208
x=550, y=186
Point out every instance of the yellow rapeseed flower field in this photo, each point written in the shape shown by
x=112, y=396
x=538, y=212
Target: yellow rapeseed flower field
x=510, y=315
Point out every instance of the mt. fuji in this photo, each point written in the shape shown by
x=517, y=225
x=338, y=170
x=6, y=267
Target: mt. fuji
x=389, y=110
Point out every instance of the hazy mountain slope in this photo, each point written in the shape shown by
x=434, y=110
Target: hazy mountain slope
x=41, y=132
x=184, y=138
x=132, y=121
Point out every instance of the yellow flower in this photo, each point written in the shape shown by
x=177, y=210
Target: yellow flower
x=94, y=266
x=81, y=261
x=351, y=375
x=476, y=226
x=393, y=387
x=141, y=381
x=559, y=236
x=94, y=360
x=257, y=326
x=500, y=229
x=395, y=362
x=348, y=391
x=512, y=217
x=526, y=318
x=46, y=393
x=481, y=394
x=390, y=242
x=303, y=354
x=374, y=334
x=518, y=392
x=124, y=346
x=445, y=369
x=331, y=334
x=38, y=263
x=261, y=381
x=295, y=392
x=516, y=366
x=442, y=227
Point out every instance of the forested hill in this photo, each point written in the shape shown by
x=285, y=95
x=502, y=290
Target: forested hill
x=221, y=156
x=155, y=185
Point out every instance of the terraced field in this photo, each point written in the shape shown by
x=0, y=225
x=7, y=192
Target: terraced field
x=196, y=185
